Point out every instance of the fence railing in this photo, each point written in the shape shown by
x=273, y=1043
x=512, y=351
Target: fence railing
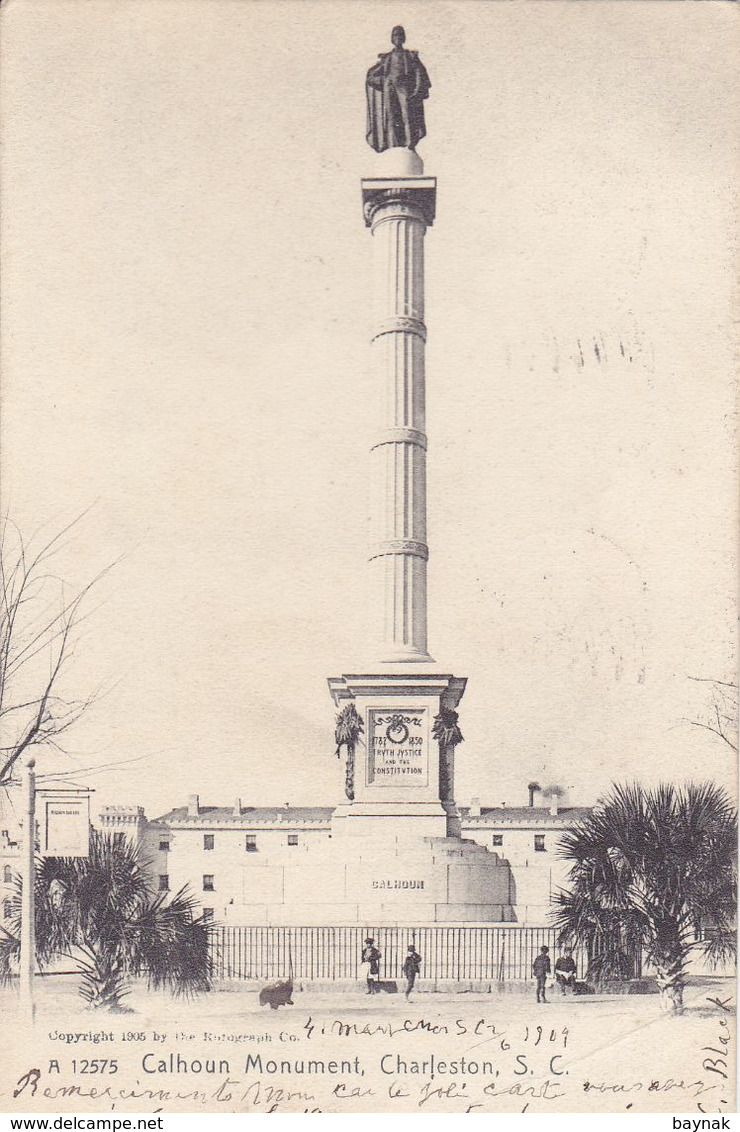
x=478, y=953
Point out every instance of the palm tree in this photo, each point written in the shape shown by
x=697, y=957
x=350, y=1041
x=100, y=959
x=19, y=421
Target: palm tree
x=348, y=729
x=651, y=869
x=99, y=912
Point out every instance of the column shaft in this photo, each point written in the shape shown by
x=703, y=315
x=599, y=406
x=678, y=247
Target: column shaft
x=399, y=552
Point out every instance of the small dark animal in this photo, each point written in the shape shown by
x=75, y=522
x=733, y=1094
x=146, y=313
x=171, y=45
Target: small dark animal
x=277, y=994
x=582, y=988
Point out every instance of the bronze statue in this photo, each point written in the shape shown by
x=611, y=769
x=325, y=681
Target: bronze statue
x=396, y=88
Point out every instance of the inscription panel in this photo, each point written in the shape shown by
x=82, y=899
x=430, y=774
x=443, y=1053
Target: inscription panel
x=398, y=747
x=395, y=884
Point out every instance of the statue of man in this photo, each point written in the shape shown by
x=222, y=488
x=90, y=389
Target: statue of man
x=396, y=88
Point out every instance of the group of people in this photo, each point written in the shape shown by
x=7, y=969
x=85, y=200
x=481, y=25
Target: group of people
x=565, y=971
x=371, y=956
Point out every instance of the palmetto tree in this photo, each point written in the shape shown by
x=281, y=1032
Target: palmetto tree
x=446, y=729
x=347, y=732
x=100, y=913
x=650, y=869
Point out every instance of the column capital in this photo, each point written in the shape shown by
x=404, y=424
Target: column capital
x=418, y=195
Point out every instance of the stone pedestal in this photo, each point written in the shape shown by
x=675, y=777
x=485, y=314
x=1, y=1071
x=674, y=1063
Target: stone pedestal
x=394, y=881
x=402, y=778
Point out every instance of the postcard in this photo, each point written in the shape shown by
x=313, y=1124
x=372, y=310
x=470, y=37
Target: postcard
x=368, y=683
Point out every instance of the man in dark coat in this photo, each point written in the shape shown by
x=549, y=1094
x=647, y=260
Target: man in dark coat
x=396, y=88
x=411, y=968
x=371, y=956
x=540, y=970
x=565, y=971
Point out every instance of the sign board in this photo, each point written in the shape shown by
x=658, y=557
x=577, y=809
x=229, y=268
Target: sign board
x=398, y=747
x=64, y=821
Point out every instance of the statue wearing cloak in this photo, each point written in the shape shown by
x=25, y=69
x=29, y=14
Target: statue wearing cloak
x=396, y=88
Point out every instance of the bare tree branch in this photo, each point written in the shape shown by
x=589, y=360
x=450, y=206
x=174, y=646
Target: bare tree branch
x=39, y=625
x=715, y=730
x=711, y=680
x=722, y=714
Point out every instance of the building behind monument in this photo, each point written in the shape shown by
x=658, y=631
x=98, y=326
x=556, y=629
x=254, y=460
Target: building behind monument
x=235, y=859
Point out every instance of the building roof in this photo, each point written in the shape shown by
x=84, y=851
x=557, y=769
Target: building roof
x=249, y=815
x=524, y=815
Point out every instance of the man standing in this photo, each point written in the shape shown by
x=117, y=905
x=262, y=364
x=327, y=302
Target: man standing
x=396, y=88
x=540, y=970
x=411, y=968
x=371, y=956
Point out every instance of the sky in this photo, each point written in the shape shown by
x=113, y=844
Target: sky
x=185, y=359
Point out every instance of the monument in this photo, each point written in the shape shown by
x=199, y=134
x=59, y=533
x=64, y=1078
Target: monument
x=391, y=853
x=397, y=718
x=405, y=704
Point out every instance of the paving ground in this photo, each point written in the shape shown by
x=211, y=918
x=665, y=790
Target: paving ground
x=350, y=1052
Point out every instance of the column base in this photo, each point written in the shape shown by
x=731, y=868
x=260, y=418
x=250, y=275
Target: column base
x=407, y=656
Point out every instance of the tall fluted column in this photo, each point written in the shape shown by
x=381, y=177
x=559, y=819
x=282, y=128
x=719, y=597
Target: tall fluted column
x=398, y=212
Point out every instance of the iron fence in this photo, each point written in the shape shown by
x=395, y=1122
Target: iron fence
x=471, y=954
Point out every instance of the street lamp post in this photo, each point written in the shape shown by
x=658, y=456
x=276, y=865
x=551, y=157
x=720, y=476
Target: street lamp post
x=28, y=876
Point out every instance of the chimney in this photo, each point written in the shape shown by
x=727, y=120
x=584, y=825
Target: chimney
x=533, y=789
x=554, y=801
x=238, y=808
x=193, y=806
x=474, y=808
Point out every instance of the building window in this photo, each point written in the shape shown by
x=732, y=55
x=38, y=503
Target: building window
x=7, y=874
x=208, y=840
x=208, y=915
x=119, y=839
x=251, y=843
x=164, y=846
x=539, y=843
x=164, y=882
x=705, y=929
x=292, y=839
x=208, y=882
x=497, y=839
x=7, y=909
